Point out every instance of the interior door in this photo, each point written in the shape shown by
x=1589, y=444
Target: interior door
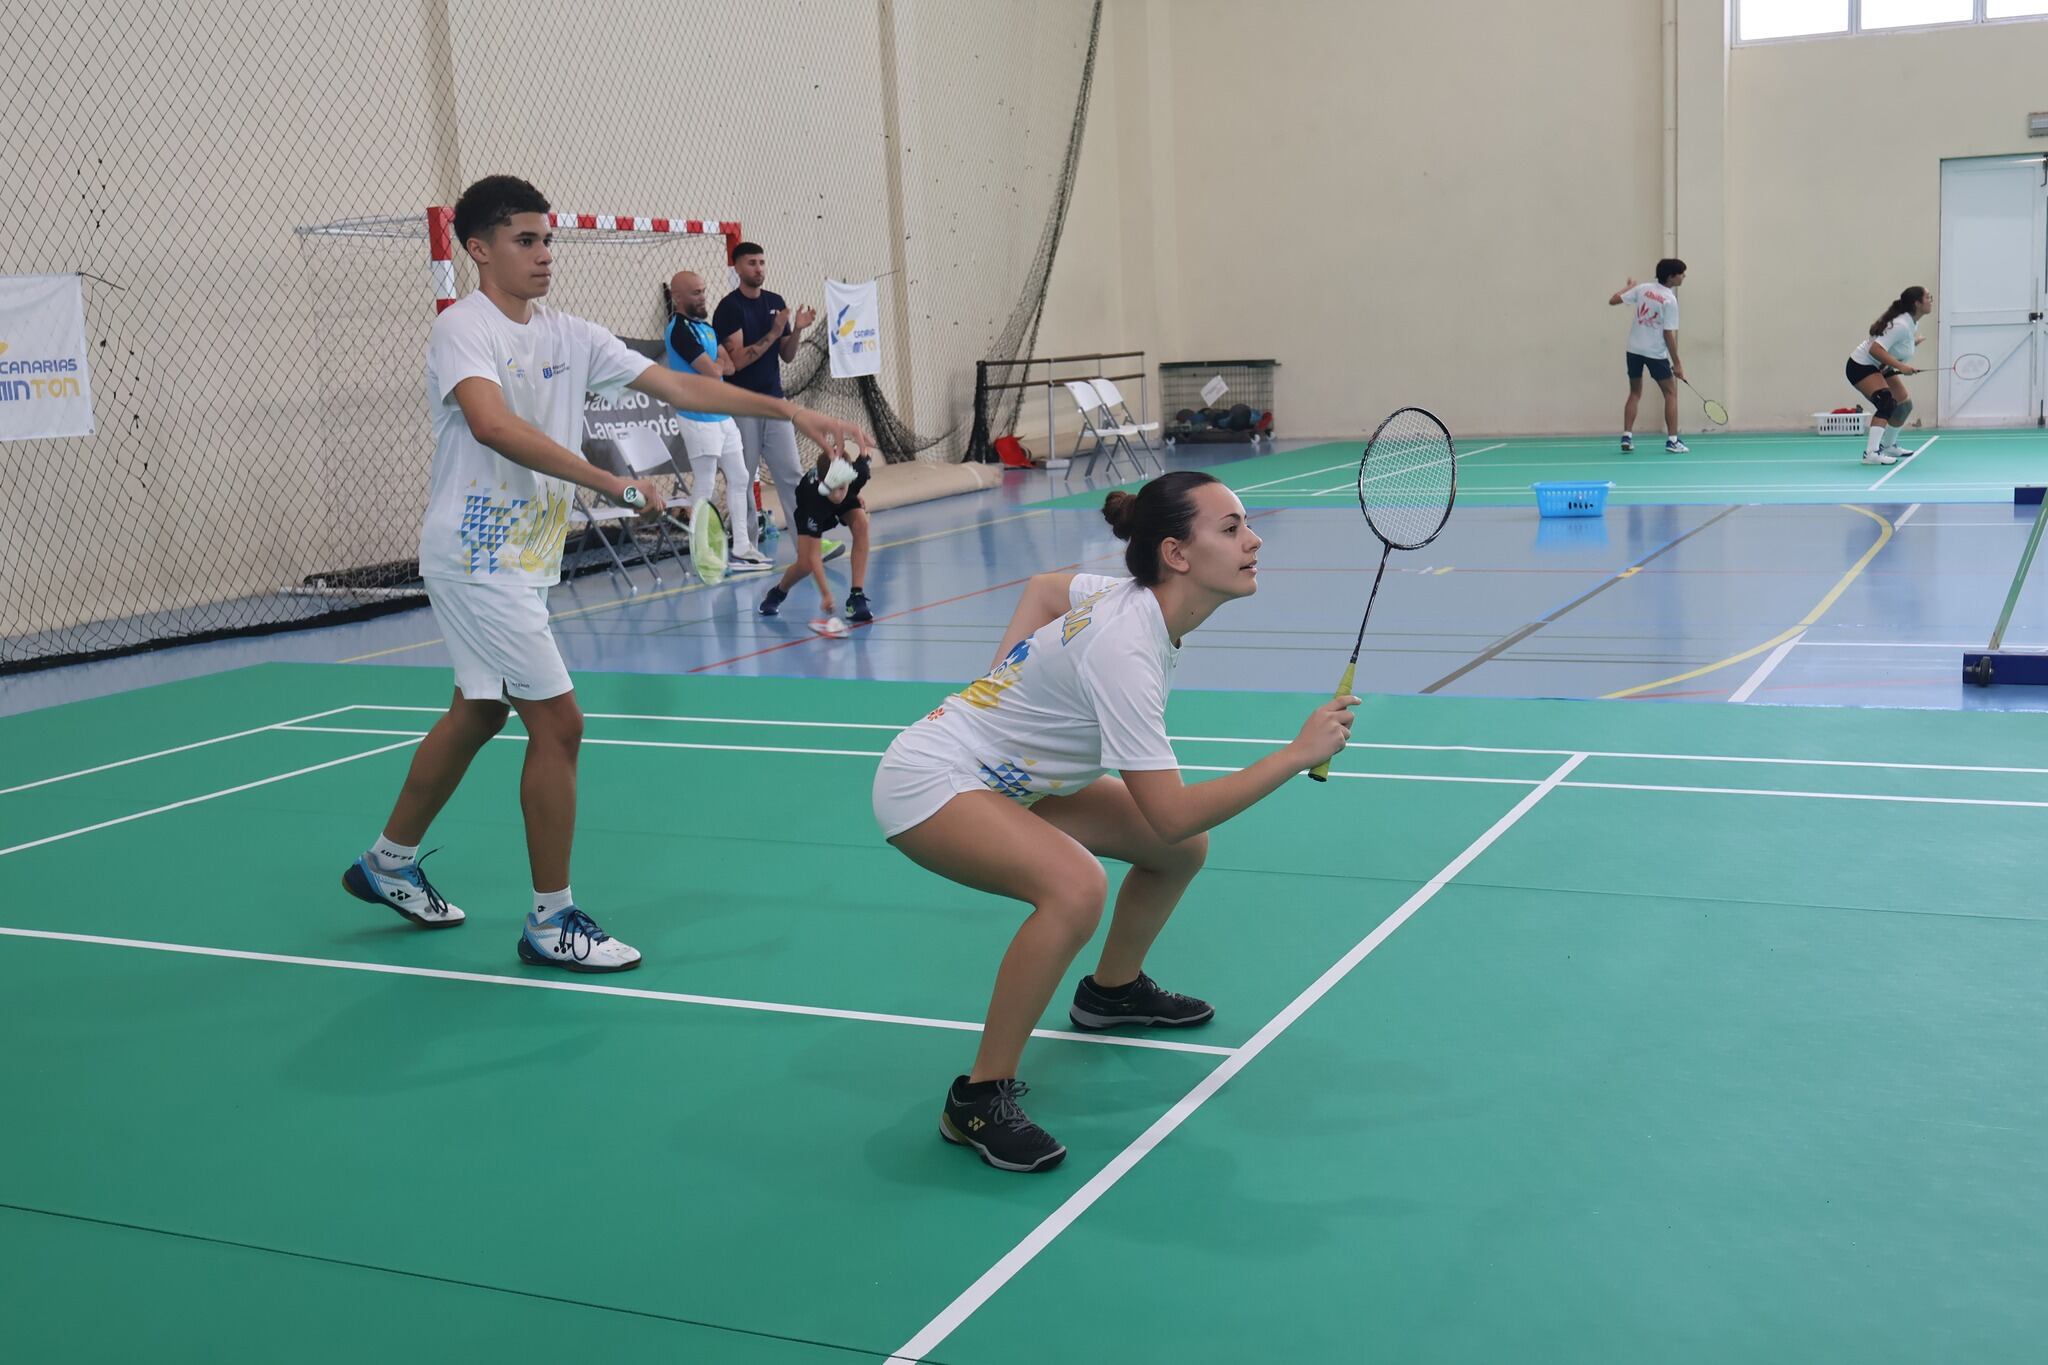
x=1994, y=253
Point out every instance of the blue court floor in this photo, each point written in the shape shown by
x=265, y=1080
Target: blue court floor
x=1849, y=604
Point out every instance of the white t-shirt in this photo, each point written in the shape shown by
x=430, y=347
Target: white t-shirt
x=488, y=519
x=1079, y=696
x=1656, y=313
x=1898, y=341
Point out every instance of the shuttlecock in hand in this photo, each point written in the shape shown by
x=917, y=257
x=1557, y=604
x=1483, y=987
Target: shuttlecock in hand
x=838, y=476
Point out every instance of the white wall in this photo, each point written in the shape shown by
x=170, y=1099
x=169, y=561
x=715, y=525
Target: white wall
x=1422, y=203
x=1835, y=190
x=1431, y=203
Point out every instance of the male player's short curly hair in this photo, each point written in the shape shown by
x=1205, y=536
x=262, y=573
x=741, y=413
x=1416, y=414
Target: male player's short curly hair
x=491, y=202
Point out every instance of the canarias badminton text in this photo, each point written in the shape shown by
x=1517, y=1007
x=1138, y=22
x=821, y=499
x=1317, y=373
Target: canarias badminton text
x=1081, y=616
x=47, y=379
x=851, y=334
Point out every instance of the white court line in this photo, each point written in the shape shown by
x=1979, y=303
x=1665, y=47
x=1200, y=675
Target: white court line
x=592, y=988
x=1305, y=474
x=1640, y=461
x=1823, y=493
x=630, y=715
x=606, y=743
x=1393, y=777
x=195, y=800
x=877, y=753
x=1397, y=473
x=160, y=753
x=1398, y=748
x=1351, y=464
x=1836, y=488
x=1908, y=514
x=1882, y=644
x=1810, y=796
x=1765, y=669
x=957, y=1312
x=1827, y=763
x=1914, y=458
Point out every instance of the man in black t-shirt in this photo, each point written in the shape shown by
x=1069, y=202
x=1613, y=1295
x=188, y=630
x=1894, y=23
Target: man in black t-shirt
x=758, y=333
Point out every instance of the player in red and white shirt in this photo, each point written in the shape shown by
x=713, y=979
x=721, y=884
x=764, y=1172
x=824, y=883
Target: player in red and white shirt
x=1653, y=346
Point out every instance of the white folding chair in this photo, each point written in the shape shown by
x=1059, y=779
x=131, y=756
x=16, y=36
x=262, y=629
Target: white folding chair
x=1127, y=422
x=590, y=517
x=1098, y=426
x=645, y=453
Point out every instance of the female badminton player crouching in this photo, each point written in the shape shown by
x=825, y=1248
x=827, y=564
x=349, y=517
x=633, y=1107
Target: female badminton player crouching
x=1875, y=366
x=1003, y=789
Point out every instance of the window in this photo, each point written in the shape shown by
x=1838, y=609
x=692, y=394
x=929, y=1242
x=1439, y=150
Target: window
x=1792, y=18
x=1909, y=13
x=1768, y=20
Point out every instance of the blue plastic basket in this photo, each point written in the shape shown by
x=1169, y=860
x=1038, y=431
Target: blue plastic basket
x=1574, y=498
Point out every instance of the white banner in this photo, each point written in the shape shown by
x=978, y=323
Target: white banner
x=44, y=387
x=855, y=328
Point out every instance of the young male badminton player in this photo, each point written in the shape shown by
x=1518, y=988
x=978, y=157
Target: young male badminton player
x=1004, y=789
x=1653, y=346
x=1875, y=368
x=828, y=496
x=506, y=377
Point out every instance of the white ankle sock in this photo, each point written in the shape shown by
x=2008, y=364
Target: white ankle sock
x=1876, y=439
x=389, y=856
x=545, y=903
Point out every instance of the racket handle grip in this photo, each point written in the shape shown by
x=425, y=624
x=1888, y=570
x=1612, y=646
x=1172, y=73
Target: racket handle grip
x=1321, y=772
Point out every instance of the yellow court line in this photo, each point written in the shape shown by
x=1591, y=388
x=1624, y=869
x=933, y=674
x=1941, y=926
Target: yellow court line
x=699, y=587
x=1811, y=618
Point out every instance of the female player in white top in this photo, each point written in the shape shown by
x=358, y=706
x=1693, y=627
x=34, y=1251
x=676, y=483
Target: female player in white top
x=1003, y=787
x=1875, y=367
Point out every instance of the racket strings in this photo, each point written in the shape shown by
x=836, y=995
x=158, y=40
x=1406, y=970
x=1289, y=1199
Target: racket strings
x=1408, y=479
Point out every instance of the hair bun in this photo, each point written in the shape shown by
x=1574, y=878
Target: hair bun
x=1120, y=510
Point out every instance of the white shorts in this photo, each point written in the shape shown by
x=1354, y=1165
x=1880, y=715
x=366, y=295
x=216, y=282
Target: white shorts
x=922, y=771
x=714, y=448
x=499, y=637
x=712, y=443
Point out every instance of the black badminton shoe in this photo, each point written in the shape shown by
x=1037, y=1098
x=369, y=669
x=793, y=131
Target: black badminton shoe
x=1140, y=1003
x=986, y=1117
